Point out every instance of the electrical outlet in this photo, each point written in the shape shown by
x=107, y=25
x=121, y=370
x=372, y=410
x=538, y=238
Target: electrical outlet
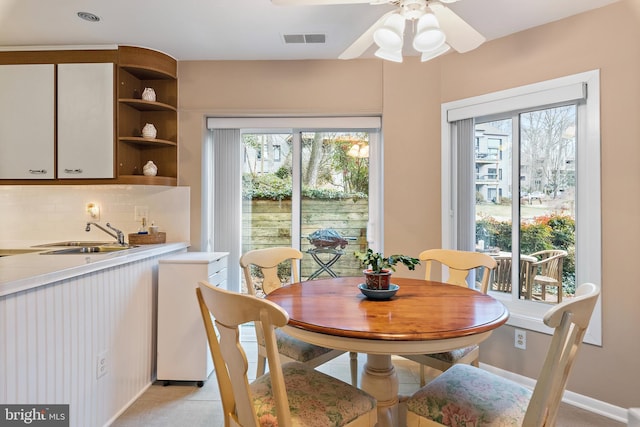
x=102, y=364
x=520, y=339
x=141, y=212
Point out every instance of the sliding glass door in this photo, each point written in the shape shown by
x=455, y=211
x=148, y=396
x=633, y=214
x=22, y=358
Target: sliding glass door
x=309, y=189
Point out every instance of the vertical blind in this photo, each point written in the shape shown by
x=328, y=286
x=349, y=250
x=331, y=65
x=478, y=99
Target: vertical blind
x=227, y=210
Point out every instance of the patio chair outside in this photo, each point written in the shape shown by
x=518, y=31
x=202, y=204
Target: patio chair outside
x=547, y=272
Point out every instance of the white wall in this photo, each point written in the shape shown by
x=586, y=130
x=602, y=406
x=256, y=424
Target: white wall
x=58, y=212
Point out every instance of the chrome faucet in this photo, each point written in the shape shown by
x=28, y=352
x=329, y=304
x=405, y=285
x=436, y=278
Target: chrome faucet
x=118, y=235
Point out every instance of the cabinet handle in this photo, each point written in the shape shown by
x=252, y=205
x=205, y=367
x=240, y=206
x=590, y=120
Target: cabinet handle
x=76, y=171
x=37, y=171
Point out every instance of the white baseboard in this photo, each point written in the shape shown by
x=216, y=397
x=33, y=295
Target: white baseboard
x=125, y=407
x=583, y=402
x=634, y=417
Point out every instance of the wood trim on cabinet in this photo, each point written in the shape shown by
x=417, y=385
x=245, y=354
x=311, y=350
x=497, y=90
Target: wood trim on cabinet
x=156, y=63
x=57, y=56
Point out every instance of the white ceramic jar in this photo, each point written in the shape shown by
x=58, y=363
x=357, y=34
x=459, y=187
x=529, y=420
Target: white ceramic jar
x=149, y=131
x=150, y=169
x=148, y=94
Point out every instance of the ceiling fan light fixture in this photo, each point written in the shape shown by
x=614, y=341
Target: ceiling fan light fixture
x=390, y=36
x=389, y=55
x=428, y=35
x=428, y=40
x=426, y=56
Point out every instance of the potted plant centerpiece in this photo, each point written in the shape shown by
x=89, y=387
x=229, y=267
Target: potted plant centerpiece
x=378, y=273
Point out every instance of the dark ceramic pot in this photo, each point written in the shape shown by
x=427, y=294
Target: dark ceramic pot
x=377, y=280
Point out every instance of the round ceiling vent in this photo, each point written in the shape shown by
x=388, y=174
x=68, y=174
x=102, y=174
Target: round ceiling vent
x=89, y=16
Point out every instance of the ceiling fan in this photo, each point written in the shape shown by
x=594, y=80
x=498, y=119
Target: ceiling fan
x=436, y=28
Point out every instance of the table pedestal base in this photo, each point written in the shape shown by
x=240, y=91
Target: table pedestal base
x=380, y=380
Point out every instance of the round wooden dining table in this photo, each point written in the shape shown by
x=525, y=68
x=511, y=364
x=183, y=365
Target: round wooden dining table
x=423, y=317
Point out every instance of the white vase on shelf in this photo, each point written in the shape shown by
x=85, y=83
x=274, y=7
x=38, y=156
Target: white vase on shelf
x=149, y=131
x=150, y=169
x=148, y=94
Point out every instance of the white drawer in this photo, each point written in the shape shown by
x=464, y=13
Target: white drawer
x=217, y=265
x=219, y=278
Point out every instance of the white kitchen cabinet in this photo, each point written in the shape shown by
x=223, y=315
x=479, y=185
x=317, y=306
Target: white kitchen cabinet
x=183, y=352
x=27, y=127
x=86, y=120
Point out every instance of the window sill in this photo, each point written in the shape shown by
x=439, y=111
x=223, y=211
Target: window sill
x=528, y=315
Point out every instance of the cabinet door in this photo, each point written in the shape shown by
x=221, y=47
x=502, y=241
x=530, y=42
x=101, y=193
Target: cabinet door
x=85, y=121
x=27, y=121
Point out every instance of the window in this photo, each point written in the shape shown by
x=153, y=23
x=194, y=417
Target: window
x=546, y=134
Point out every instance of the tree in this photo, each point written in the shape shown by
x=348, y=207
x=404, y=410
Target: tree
x=315, y=160
x=546, y=147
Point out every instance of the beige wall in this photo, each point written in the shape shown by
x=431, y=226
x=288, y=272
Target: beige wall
x=409, y=96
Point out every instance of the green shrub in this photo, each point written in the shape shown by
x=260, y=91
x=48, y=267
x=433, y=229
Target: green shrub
x=266, y=187
x=535, y=237
x=545, y=232
x=278, y=187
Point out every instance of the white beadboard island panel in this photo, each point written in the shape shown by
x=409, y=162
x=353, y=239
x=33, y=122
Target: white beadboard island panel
x=53, y=334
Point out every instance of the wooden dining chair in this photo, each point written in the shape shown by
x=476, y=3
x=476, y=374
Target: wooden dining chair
x=291, y=394
x=467, y=395
x=459, y=264
x=291, y=349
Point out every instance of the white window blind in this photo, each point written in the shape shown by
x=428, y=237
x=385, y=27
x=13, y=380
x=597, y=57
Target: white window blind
x=518, y=99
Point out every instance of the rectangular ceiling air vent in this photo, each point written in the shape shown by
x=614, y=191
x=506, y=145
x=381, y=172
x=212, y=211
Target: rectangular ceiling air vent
x=304, y=38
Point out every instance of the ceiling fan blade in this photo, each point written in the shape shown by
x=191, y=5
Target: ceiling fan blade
x=315, y=2
x=460, y=35
x=364, y=41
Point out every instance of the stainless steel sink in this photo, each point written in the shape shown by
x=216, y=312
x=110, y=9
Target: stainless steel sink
x=74, y=243
x=89, y=249
x=7, y=252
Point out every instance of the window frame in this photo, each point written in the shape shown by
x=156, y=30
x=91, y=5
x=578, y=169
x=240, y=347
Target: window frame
x=528, y=314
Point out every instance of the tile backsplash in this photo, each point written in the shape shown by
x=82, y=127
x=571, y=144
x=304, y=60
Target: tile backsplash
x=58, y=212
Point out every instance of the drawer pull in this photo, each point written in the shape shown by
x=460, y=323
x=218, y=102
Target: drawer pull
x=37, y=171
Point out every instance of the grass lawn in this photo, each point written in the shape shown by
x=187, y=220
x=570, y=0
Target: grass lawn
x=503, y=212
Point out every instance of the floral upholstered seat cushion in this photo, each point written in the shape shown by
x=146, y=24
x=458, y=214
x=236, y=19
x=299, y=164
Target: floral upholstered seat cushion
x=297, y=349
x=468, y=396
x=315, y=399
x=454, y=355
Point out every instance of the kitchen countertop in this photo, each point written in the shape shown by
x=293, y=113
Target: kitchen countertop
x=29, y=270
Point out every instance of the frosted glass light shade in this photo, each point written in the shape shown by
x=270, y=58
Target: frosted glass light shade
x=433, y=53
x=390, y=35
x=428, y=36
x=389, y=55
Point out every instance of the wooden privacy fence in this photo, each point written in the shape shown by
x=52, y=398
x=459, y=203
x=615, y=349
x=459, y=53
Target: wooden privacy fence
x=267, y=223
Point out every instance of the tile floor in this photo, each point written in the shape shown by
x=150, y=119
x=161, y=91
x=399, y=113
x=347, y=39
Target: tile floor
x=184, y=404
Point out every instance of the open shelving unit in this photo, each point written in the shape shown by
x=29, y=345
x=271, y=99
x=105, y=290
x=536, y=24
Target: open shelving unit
x=139, y=68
